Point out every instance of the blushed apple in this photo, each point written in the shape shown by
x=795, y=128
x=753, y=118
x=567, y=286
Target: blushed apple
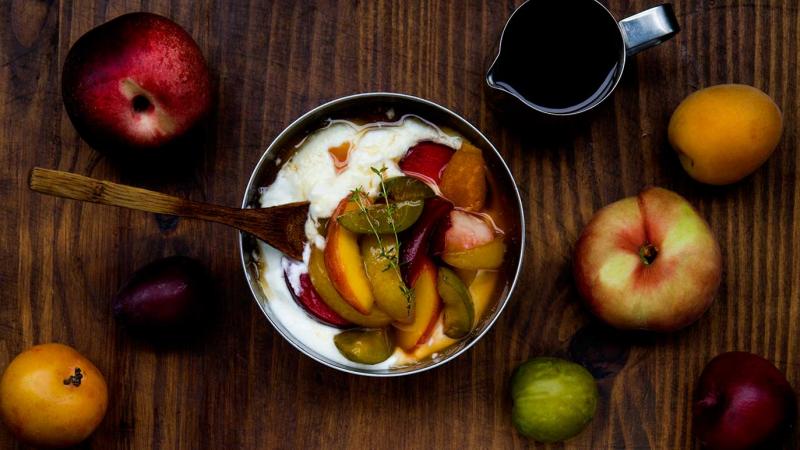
x=648, y=262
x=136, y=82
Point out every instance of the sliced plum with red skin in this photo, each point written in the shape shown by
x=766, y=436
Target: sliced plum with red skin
x=309, y=299
x=426, y=161
x=416, y=241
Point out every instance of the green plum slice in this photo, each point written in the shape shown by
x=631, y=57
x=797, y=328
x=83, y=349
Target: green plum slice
x=459, y=311
x=404, y=214
x=407, y=188
x=554, y=399
x=365, y=346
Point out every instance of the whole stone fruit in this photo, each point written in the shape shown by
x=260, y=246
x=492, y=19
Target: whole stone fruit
x=137, y=82
x=742, y=402
x=52, y=396
x=724, y=133
x=554, y=399
x=169, y=296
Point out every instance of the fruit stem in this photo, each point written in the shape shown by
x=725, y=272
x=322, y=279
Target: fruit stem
x=648, y=253
x=74, y=379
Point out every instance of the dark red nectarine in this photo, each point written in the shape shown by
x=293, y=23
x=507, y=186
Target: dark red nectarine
x=742, y=401
x=136, y=82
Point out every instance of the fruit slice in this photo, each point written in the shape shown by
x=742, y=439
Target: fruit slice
x=365, y=346
x=328, y=293
x=487, y=256
x=375, y=218
x=416, y=241
x=407, y=188
x=464, y=178
x=426, y=310
x=458, y=313
x=466, y=275
x=308, y=298
x=482, y=291
x=426, y=161
x=436, y=343
x=387, y=286
x=463, y=231
x=344, y=263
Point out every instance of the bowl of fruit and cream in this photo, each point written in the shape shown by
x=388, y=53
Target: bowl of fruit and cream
x=414, y=234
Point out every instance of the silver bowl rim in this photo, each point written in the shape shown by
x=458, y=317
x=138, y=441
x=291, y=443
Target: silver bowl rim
x=297, y=126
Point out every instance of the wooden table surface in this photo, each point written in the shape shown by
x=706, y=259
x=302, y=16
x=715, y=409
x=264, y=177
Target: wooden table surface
x=242, y=385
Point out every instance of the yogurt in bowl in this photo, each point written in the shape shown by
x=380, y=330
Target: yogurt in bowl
x=415, y=235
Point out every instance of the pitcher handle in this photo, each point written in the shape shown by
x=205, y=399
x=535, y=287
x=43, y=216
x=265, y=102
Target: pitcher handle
x=649, y=28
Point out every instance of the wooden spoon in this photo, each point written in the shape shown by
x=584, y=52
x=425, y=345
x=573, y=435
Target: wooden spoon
x=282, y=227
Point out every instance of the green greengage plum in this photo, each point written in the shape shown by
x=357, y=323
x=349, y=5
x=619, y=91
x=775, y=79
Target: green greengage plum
x=459, y=311
x=365, y=346
x=406, y=188
x=376, y=219
x=554, y=399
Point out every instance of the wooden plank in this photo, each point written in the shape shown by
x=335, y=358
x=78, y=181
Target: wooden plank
x=243, y=386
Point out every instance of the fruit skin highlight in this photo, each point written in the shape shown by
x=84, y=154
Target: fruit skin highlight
x=52, y=396
x=724, y=133
x=554, y=399
x=648, y=262
x=742, y=401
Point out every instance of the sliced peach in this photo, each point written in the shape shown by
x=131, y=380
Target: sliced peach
x=482, y=290
x=464, y=178
x=344, y=264
x=427, y=307
x=324, y=287
x=486, y=256
x=437, y=342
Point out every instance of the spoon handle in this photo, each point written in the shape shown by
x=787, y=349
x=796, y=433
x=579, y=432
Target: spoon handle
x=281, y=226
x=79, y=187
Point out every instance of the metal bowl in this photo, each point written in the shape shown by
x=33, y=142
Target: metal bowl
x=366, y=106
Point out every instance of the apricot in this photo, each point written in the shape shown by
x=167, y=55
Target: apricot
x=52, y=396
x=464, y=178
x=724, y=133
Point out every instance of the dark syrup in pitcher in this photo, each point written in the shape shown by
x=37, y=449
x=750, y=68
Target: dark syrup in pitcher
x=560, y=56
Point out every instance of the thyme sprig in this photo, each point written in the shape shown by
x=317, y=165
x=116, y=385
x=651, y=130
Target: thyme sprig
x=391, y=254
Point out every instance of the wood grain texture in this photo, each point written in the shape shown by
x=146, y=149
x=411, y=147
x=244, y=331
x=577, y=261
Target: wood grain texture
x=243, y=386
